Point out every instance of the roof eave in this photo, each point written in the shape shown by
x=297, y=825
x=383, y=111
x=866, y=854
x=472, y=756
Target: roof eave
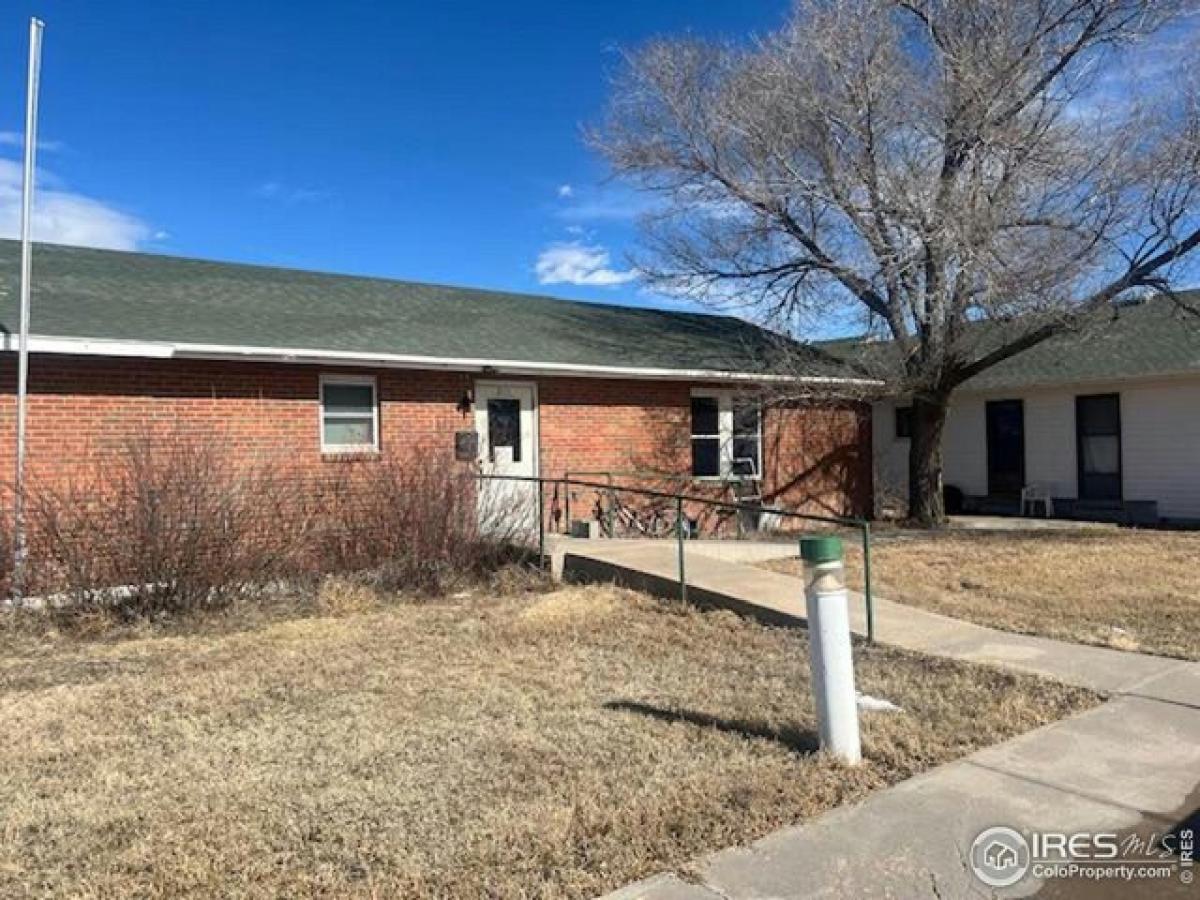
x=311, y=356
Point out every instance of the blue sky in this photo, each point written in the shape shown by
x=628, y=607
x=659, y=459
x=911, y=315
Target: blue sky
x=426, y=141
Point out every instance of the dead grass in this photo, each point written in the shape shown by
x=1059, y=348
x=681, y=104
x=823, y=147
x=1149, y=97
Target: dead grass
x=539, y=745
x=1132, y=590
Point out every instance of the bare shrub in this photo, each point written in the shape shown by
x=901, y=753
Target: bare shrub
x=415, y=524
x=338, y=595
x=167, y=526
x=7, y=547
x=172, y=525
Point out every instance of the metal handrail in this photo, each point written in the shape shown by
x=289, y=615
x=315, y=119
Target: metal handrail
x=863, y=525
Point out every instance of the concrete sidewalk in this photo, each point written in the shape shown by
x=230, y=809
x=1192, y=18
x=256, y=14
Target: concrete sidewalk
x=1130, y=764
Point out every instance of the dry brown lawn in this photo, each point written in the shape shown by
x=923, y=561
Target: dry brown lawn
x=553, y=744
x=1122, y=588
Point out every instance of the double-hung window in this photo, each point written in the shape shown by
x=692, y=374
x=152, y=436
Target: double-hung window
x=349, y=414
x=726, y=435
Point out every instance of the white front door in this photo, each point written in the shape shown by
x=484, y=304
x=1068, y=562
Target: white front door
x=506, y=420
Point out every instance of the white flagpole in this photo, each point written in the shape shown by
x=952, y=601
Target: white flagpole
x=31, y=105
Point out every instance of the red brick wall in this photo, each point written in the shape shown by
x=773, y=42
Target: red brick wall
x=83, y=409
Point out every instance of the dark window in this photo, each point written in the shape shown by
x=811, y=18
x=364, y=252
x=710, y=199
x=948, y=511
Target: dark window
x=1005, y=447
x=1098, y=438
x=904, y=421
x=706, y=436
x=504, y=427
x=747, y=457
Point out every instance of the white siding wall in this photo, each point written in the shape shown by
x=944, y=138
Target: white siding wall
x=1160, y=446
x=964, y=447
x=1160, y=442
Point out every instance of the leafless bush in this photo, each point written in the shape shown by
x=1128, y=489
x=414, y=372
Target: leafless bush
x=174, y=525
x=7, y=551
x=415, y=524
x=167, y=526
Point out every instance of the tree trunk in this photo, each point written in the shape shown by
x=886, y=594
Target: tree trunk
x=926, y=504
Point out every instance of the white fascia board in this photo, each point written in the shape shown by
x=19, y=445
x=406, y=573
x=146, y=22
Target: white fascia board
x=232, y=353
x=88, y=346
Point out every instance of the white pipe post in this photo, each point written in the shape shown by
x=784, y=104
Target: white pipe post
x=829, y=647
x=31, y=106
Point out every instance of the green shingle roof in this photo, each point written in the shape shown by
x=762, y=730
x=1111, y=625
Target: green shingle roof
x=1154, y=336
x=101, y=294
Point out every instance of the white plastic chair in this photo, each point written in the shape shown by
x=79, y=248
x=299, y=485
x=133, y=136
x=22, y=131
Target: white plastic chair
x=1036, y=493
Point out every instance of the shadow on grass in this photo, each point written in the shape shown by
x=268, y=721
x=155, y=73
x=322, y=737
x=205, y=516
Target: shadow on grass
x=798, y=740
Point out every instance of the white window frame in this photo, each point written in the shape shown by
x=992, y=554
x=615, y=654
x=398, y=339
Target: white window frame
x=322, y=413
x=725, y=400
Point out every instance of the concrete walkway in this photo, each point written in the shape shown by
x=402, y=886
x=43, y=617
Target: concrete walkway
x=1131, y=764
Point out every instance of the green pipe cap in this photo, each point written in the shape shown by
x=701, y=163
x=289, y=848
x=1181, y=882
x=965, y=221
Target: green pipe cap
x=820, y=549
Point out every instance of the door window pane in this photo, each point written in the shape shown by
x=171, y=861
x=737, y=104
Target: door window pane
x=1101, y=454
x=1100, y=415
x=1098, y=424
x=504, y=427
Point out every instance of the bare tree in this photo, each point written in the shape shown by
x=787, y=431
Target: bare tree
x=958, y=174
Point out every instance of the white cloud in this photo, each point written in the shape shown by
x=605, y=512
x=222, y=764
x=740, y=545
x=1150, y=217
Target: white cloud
x=565, y=191
x=573, y=262
x=61, y=216
x=605, y=203
x=287, y=193
x=17, y=139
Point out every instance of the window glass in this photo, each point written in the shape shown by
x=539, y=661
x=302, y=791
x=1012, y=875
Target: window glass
x=745, y=457
x=706, y=456
x=725, y=436
x=904, y=416
x=348, y=414
x=504, y=426
x=1100, y=414
x=706, y=417
x=706, y=437
x=349, y=432
x=745, y=451
x=350, y=399
x=1101, y=454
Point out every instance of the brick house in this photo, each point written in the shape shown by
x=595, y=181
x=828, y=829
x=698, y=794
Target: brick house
x=311, y=371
